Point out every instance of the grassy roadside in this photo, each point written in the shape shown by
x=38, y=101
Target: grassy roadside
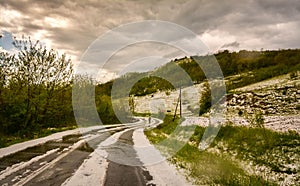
x=161, y=132
x=6, y=141
x=223, y=162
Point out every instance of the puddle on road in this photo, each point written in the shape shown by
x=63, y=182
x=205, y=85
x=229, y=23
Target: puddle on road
x=31, y=152
x=124, y=166
x=65, y=167
x=72, y=138
x=72, y=160
x=61, y=170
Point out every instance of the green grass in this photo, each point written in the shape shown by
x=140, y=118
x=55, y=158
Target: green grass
x=141, y=114
x=259, y=75
x=161, y=132
x=213, y=169
x=221, y=163
x=260, y=146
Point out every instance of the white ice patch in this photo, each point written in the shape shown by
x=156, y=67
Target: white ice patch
x=91, y=172
x=24, y=145
x=162, y=172
x=146, y=152
x=14, y=168
x=109, y=141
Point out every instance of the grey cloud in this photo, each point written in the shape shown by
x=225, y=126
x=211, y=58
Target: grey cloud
x=249, y=23
x=233, y=44
x=284, y=8
x=126, y=56
x=26, y=7
x=202, y=15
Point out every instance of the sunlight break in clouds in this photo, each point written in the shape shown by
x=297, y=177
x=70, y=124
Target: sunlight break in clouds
x=71, y=26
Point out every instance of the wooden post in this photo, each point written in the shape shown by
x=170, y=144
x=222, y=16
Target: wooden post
x=180, y=103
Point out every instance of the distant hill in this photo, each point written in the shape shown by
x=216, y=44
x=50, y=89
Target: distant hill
x=239, y=68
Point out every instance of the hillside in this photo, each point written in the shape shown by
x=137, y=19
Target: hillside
x=258, y=144
x=276, y=97
x=256, y=81
x=239, y=68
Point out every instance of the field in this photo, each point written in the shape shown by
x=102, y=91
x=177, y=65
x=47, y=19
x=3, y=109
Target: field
x=239, y=155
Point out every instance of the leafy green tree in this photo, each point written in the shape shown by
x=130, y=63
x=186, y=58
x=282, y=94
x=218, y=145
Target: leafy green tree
x=205, y=100
x=6, y=64
x=37, y=88
x=44, y=75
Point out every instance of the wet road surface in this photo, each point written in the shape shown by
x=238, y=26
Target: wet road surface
x=53, y=162
x=118, y=173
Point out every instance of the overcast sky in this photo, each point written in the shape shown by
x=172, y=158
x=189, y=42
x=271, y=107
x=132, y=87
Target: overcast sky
x=71, y=26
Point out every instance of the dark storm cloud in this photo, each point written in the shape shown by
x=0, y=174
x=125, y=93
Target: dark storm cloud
x=72, y=25
x=92, y=18
x=235, y=16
